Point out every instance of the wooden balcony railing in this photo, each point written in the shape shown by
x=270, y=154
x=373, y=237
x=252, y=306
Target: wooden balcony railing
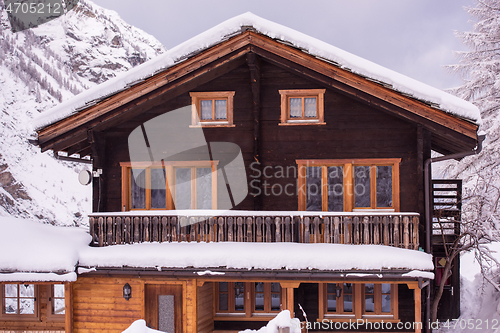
x=391, y=229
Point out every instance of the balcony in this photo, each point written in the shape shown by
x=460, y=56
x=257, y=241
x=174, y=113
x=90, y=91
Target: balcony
x=384, y=228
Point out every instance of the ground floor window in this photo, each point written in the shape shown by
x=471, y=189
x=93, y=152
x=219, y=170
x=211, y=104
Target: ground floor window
x=19, y=301
x=247, y=299
x=368, y=300
x=57, y=302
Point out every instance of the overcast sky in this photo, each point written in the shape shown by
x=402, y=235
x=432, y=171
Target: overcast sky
x=413, y=37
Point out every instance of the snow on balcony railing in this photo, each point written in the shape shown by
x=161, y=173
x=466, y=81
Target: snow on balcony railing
x=385, y=228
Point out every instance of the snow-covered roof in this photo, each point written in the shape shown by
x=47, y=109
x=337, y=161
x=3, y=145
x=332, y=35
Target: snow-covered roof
x=30, y=251
x=261, y=256
x=215, y=35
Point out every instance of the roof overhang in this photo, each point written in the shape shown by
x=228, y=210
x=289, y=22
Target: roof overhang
x=450, y=133
x=225, y=274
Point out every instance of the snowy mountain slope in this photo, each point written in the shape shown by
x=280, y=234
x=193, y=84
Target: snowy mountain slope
x=39, y=68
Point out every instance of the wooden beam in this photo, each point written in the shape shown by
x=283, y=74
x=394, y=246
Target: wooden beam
x=68, y=307
x=253, y=62
x=97, y=141
x=418, y=310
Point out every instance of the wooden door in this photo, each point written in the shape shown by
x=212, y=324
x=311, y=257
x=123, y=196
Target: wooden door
x=164, y=307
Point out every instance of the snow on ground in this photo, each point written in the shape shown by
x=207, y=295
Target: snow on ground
x=282, y=320
x=211, y=37
x=480, y=301
x=35, y=247
x=139, y=326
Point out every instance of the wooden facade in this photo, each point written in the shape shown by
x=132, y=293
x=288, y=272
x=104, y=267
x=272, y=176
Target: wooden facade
x=360, y=123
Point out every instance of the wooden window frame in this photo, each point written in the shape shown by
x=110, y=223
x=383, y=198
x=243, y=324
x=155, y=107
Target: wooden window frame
x=249, y=313
x=359, y=304
x=197, y=97
x=267, y=299
x=231, y=300
x=302, y=93
x=169, y=167
x=50, y=315
x=378, y=302
x=340, y=309
x=20, y=317
x=348, y=182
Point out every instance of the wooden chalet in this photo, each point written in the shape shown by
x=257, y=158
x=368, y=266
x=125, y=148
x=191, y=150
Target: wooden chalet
x=330, y=156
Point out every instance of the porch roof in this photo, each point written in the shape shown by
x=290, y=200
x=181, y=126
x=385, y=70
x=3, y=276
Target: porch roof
x=349, y=260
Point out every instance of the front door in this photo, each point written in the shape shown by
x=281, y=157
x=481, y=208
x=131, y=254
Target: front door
x=164, y=307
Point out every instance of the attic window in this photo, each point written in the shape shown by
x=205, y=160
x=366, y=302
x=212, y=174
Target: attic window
x=212, y=108
x=302, y=107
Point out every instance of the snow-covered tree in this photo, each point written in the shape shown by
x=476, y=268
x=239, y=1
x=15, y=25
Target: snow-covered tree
x=479, y=67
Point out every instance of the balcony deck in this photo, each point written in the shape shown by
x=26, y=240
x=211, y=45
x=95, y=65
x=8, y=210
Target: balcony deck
x=384, y=228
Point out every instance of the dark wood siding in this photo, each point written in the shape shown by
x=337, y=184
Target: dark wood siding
x=352, y=130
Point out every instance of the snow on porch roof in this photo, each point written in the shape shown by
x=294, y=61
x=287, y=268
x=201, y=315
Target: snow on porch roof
x=261, y=256
x=217, y=34
x=32, y=251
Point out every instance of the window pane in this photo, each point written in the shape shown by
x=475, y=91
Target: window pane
x=220, y=109
x=27, y=290
x=223, y=286
x=369, y=288
x=59, y=290
x=386, y=303
x=138, y=189
x=204, y=188
x=335, y=189
x=10, y=290
x=239, y=296
x=206, y=110
x=362, y=186
x=369, y=303
x=384, y=186
x=331, y=303
x=348, y=288
x=27, y=306
x=275, y=302
x=58, y=306
x=183, y=188
x=330, y=288
x=259, y=301
x=313, y=182
x=347, y=303
x=10, y=305
x=386, y=288
x=310, y=107
x=259, y=287
x=295, y=107
x=158, y=189
x=223, y=304
x=275, y=287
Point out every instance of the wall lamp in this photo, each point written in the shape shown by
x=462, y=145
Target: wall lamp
x=127, y=291
x=338, y=290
